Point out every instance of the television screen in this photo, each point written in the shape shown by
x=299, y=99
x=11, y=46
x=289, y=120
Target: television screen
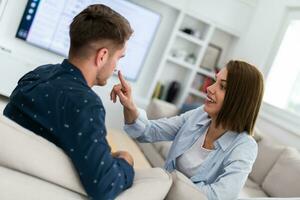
x=45, y=23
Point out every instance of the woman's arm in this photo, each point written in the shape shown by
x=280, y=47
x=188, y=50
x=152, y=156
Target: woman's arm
x=164, y=129
x=137, y=124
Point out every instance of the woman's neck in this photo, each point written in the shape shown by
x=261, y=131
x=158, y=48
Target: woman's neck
x=213, y=133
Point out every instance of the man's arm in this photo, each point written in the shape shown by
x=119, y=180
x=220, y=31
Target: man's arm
x=83, y=139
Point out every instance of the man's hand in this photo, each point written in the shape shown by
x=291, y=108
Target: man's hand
x=124, y=155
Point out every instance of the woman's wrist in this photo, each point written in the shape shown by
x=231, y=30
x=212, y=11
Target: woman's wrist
x=131, y=107
x=131, y=114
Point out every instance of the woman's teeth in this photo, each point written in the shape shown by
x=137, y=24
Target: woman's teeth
x=210, y=100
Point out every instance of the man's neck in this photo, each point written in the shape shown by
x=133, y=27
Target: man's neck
x=86, y=69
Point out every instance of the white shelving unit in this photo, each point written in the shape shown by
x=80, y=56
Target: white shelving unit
x=189, y=45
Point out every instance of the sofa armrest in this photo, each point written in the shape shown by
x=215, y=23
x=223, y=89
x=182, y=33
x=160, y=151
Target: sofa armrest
x=184, y=188
x=149, y=184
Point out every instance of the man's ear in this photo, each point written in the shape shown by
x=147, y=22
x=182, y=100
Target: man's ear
x=101, y=56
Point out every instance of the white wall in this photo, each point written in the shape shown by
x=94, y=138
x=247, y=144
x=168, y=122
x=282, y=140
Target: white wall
x=258, y=45
x=233, y=15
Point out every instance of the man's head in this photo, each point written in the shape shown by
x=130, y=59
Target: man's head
x=99, y=34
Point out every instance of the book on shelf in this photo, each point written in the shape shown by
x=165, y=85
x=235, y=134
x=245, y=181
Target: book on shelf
x=207, y=81
x=158, y=91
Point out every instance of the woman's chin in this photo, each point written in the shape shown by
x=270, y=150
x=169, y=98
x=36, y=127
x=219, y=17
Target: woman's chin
x=210, y=111
x=206, y=108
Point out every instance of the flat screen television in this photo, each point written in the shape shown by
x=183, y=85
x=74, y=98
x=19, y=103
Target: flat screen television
x=45, y=23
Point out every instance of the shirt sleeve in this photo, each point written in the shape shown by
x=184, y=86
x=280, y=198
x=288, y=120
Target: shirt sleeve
x=236, y=170
x=83, y=139
x=164, y=129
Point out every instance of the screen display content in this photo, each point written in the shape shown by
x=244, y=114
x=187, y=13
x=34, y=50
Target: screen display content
x=45, y=23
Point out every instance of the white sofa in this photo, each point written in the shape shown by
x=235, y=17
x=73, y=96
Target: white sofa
x=31, y=168
x=275, y=173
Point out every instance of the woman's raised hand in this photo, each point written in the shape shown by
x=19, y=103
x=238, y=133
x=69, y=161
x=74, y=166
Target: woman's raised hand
x=123, y=91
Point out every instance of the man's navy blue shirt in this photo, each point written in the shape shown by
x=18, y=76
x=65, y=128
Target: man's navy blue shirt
x=55, y=102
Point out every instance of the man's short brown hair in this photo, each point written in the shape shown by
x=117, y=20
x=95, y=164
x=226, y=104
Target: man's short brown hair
x=244, y=92
x=98, y=24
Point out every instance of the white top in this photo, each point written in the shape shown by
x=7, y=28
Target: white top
x=189, y=162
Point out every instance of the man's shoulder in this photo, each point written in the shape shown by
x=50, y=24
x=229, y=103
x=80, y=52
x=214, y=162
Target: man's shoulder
x=46, y=68
x=40, y=71
x=83, y=96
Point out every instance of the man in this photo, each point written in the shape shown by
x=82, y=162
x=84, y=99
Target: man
x=57, y=102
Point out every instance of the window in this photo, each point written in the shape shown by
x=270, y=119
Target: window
x=283, y=81
x=282, y=90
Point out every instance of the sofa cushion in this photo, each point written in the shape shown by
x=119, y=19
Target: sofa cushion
x=257, y=135
x=163, y=148
x=153, y=156
x=159, y=108
x=184, y=188
x=120, y=141
x=251, y=189
x=267, y=155
x=283, y=178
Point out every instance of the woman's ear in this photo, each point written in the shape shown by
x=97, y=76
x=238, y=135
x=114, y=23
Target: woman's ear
x=101, y=57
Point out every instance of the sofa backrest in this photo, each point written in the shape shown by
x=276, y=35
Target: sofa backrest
x=159, y=109
x=283, y=178
x=268, y=153
x=24, y=151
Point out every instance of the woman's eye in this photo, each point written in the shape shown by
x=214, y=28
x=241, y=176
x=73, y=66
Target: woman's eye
x=213, y=81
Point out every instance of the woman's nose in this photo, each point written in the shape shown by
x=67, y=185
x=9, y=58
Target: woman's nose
x=209, y=89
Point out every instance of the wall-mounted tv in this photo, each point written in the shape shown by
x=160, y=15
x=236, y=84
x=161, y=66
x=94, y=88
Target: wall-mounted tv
x=45, y=23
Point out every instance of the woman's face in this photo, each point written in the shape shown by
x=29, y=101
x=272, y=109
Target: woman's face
x=216, y=94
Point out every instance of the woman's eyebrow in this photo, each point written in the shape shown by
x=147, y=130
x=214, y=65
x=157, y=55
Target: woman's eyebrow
x=222, y=80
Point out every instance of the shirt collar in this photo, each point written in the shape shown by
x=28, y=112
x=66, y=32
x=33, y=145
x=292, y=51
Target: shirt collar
x=203, y=119
x=74, y=71
x=225, y=140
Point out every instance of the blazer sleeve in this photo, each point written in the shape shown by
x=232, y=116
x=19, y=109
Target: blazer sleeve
x=164, y=129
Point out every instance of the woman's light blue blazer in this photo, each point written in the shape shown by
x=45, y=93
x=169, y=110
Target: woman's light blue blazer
x=224, y=172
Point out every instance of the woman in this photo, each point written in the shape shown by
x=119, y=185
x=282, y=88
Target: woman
x=212, y=144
